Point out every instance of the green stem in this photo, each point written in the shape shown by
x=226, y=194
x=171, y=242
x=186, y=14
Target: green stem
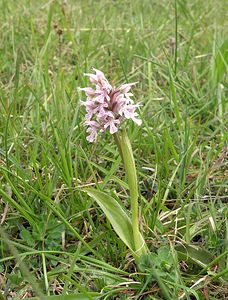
x=118, y=142
x=125, y=149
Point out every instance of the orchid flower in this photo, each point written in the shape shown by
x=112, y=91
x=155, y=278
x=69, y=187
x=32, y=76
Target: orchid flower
x=106, y=106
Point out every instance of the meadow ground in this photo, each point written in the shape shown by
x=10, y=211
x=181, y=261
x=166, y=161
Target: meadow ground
x=55, y=240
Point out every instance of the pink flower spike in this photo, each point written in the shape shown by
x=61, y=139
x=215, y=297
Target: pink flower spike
x=106, y=106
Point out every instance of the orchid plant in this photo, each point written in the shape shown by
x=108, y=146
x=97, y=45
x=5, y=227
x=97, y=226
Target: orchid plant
x=107, y=107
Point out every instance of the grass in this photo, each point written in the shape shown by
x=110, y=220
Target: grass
x=54, y=239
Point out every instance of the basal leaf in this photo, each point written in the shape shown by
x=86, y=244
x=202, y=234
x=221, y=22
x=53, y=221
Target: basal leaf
x=116, y=215
x=196, y=254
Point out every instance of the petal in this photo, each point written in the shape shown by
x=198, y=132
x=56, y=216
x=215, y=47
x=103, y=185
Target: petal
x=88, y=90
x=94, y=125
x=102, y=114
x=128, y=114
x=113, y=128
x=137, y=121
x=126, y=87
x=90, y=138
x=99, y=74
x=89, y=103
x=92, y=77
x=100, y=98
x=89, y=115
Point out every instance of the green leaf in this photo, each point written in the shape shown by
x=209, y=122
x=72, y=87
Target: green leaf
x=26, y=236
x=15, y=279
x=196, y=254
x=115, y=214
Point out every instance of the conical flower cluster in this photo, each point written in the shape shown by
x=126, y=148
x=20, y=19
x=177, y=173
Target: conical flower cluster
x=106, y=106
